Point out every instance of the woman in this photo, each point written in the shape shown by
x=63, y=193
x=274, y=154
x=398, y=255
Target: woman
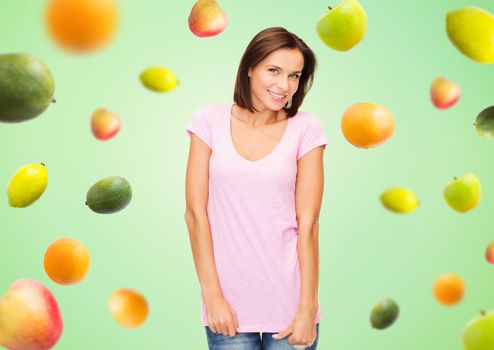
x=254, y=187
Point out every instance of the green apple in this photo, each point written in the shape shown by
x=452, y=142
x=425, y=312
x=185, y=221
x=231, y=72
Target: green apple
x=344, y=26
x=478, y=334
x=463, y=193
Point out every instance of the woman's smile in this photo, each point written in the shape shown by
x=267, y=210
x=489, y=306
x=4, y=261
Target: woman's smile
x=277, y=97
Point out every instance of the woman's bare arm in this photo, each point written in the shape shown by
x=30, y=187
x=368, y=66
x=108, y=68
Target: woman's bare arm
x=309, y=191
x=196, y=198
x=221, y=317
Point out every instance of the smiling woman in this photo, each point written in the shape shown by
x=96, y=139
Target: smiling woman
x=267, y=47
x=254, y=188
x=279, y=82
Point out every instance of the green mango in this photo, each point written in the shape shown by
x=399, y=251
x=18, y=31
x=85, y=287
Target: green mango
x=471, y=30
x=109, y=195
x=484, y=124
x=26, y=87
x=384, y=314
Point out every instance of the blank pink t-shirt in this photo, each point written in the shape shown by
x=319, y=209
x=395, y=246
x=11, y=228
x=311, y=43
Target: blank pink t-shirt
x=251, y=211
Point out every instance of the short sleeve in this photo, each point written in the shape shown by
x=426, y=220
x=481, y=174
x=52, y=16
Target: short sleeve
x=201, y=125
x=312, y=136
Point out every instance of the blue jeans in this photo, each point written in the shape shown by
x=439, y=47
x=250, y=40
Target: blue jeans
x=251, y=341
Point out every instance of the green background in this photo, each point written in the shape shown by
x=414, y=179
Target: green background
x=366, y=252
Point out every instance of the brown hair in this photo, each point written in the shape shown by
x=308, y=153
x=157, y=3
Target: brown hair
x=262, y=44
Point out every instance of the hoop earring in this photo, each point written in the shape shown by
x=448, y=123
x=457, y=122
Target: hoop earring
x=288, y=104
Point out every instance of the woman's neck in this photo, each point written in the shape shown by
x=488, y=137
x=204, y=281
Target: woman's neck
x=258, y=119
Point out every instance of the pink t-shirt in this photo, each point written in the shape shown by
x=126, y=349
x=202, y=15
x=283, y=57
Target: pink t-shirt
x=251, y=211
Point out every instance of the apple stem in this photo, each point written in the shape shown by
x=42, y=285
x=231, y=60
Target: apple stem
x=53, y=101
x=330, y=8
x=455, y=178
x=43, y=164
x=482, y=312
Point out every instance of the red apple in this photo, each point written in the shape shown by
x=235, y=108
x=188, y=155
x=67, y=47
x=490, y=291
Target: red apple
x=29, y=317
x=444, y=93
x=207, y=18
x=489, y=253
x=105, y=124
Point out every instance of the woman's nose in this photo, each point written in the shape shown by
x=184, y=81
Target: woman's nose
x=283, y=83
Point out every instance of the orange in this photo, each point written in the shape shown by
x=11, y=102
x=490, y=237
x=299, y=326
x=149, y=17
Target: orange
x=81, y=25
x=449, y=289
x=128, y=307
x=367, y=125
x=66, y=261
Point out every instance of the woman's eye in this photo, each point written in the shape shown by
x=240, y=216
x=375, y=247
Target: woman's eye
x=295, y=76
x=273, y=70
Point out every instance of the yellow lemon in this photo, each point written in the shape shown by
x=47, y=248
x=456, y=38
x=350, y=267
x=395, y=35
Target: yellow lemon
x=159, y=79
x=471, y=30
x=399, y=200
x=27, y=185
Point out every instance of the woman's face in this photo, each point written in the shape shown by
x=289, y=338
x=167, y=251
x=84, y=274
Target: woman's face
x=274, y=80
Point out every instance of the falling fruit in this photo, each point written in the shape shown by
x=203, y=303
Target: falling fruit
x=471, y=30
x=489, y=253
x=109, y=195
x=128, y=307
x=444, y=93
x=105, y=124
x=449, y=289
x=29, y=317
x=384, y=314
x=484, y=124
x=367, y=125
x=463, y=193
x=26, y=87
x=82, y=26
x=344, y=26
x=207, y=19
x=66, y=261
x=159, y=79
x=27, y=185
x=478, y=334
x=399, y=200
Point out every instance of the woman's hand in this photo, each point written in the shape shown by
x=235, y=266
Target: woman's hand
x=302, y=329
x=221, y=317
